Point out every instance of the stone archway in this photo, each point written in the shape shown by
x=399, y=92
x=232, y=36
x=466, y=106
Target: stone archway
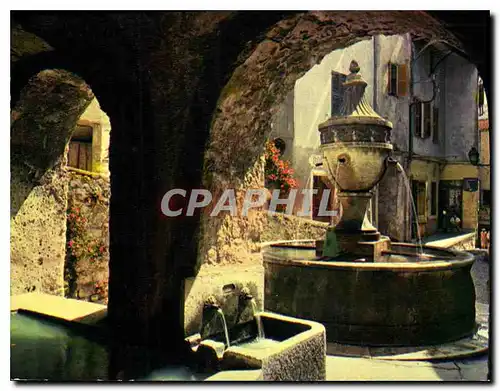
x=41, y=124
x=171, y=82
x=261, y=80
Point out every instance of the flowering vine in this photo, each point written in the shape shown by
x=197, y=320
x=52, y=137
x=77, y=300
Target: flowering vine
x=278, y=172
x=82, y=246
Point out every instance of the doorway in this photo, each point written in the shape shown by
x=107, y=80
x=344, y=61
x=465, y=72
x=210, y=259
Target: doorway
x=449, y=201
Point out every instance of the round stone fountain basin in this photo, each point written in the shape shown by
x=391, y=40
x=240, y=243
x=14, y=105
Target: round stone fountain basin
x=402, y=301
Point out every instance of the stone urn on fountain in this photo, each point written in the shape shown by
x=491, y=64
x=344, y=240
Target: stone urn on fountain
x=356, y=151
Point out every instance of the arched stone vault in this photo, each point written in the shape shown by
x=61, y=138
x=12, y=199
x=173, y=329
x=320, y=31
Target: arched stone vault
x=186, y=91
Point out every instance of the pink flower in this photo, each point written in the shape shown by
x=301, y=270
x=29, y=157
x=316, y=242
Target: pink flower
x=70, y=243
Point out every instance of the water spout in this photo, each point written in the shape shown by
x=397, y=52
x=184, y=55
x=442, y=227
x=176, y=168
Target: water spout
x=224, y=324
x=210, y=305
x=258, y=320
x=246, y=297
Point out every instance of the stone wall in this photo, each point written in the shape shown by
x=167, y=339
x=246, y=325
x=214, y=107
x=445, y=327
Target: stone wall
x=470, y=209
x=397, y=50
x=461, y=109
x=37, y=230
x=87, y=258
x=282, y=125
x=423, y=91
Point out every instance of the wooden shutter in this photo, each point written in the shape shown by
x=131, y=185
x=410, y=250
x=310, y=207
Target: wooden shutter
x=480, y=100
x=392, y=84
x=481, y=95
x=417, y=119
x=402, y=77
x=338, y=80
x=80, y=155
x=73, y=154
x=435, y=124
x=427, y=119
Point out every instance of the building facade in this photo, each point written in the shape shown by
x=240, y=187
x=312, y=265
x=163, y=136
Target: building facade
x=88, y=149
x=484, y=160
x=430, y=96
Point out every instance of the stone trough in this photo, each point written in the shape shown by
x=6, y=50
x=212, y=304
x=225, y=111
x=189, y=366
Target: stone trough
x=235, y=336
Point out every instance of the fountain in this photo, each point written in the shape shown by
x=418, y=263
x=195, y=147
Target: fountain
x=360, y=286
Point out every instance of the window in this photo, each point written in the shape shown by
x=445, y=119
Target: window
x=426, y=120
x=338, y=80
x=398, y=79
x=417, y=118
x=434, y=198
x=393, y=80
x=80, y=148
x=486, y=198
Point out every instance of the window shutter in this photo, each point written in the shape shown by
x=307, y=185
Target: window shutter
x=73, y=154
x=481, y=94
x=392, y=79
x=338, y=80
x=435, y=125
x=417, y=119
x=480, y=99
x=402, y=79
x=427, y=119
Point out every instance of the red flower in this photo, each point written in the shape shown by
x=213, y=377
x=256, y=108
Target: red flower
x=70, y=243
